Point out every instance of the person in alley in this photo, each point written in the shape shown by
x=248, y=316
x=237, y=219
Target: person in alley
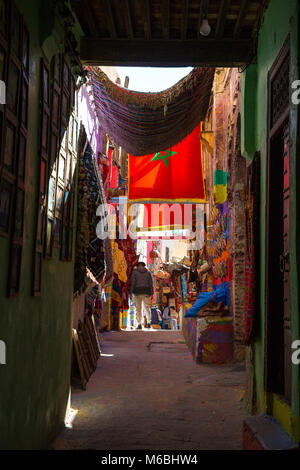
x=141, y=286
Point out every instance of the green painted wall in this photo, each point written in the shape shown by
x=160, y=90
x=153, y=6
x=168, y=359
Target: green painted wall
x=281, y=19
x=37, y=331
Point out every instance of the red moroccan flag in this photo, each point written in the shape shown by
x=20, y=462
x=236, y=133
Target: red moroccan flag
x=173, y=175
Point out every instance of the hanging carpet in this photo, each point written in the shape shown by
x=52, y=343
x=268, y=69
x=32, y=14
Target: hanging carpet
x=90, y=250
x=145, y=123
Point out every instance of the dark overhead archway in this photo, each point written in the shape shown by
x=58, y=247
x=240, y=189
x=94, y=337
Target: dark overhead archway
x=167, y=32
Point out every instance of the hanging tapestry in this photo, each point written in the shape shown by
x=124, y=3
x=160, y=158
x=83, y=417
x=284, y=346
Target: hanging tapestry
x=89, y=248
x=220, y=186
x=128, y=250
x=105, y=174
x=109, y=269
x=184, y=286
x=251, y=298
x=131, y=261
x=116, y=299
x=124, y=260
x=218, y=236
x=119, y=262
x=119, y=278
x=143, y=123
x=172, y=175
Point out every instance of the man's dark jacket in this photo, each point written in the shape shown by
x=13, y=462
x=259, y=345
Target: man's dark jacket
x=141, y=282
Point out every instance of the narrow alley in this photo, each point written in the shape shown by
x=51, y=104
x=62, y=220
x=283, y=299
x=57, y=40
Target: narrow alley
x=148, y=393
x=149, y=226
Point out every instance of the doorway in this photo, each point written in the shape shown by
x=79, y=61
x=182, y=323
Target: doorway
x=278, y=332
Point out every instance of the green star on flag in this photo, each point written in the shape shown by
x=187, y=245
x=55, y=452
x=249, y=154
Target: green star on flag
x=164, y=158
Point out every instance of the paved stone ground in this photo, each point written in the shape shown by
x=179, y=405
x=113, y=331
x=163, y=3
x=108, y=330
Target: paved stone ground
x=148, y=393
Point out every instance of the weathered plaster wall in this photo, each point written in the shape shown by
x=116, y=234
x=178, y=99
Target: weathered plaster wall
x=236, y=166
x=227, y=157
x=281, y=19
x=237, y=171
x=37, y=331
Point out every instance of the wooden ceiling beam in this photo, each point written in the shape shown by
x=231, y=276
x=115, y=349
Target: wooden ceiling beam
x=89, y=19
x=240, y=19
x=166, y=19
x=110, y=19
x=222, y=18
x=184, y=18
x=175, y=53
x=127, y=17
x=147, y=22
x=259, y=16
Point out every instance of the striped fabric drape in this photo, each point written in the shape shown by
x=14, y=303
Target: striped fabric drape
x=145, y=123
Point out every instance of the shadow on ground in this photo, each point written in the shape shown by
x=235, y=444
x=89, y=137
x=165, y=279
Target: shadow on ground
x=148, y=393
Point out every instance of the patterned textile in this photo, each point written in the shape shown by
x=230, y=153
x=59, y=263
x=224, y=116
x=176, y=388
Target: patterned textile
x=89, y=248
x=91, y=298
x=220, y=186
x=104, y=320
x=131, y=261
x=144, y=123
x=210, y=340
x=251, y=298
x=215, y=342
x=125, y=318
x=191, y=335
x=128, y=250
x=116, y=301
x=108, y=261
x=120, y=267
x=218, y=234
x=184, y=286
x=104, y=168
x=124, y=259
x=131, y=313
x=116, y=295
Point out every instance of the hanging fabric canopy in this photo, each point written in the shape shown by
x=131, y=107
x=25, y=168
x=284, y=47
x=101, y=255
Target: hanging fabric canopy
x=145, y=123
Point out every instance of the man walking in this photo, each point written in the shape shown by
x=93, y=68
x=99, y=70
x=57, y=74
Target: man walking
x=141, y=285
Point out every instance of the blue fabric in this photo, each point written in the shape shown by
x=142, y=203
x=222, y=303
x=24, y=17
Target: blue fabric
x=220, y=294
x=223, y=291
x=184, y=286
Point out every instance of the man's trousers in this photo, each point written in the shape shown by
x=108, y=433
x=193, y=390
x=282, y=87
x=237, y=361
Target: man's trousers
x=143, y=307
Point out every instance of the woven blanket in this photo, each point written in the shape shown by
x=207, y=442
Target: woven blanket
x=90, y=251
